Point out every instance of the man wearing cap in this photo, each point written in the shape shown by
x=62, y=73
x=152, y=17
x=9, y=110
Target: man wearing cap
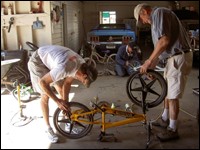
x=57, y=66
x=126, y=54
x=171, y=42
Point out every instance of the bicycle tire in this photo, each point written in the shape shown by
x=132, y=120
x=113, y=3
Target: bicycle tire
x=90, y=61
x=14, y=75
x=145, y=89
x=85, y=127
x=111, y=58
x=24, y=97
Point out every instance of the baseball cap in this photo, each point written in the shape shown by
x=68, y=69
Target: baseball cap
x=137, y=12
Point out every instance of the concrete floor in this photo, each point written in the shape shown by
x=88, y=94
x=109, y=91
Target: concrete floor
x=107, y=88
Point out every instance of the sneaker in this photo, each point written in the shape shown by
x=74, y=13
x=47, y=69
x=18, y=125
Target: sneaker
x=160, y=122
x=52, y=136
x=74, y=130
x=169, y=134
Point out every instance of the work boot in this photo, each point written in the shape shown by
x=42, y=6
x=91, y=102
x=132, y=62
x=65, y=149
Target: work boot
x=160, y=122
x=169, y=134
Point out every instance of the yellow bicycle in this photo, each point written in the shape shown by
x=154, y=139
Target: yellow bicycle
x=81, y=119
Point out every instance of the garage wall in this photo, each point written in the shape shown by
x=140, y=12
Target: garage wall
x=68, y=31
x=56, y=24
x=76, y=20
x=73, y=24
x=124, y=9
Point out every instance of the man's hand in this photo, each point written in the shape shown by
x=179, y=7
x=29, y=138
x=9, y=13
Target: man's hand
x=145, y=66
x=63, y=105
x=127, y=63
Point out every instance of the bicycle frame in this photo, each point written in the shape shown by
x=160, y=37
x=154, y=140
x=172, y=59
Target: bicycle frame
x=99, y=58
x=82, y=118
x=131, y=117
x=95, y=58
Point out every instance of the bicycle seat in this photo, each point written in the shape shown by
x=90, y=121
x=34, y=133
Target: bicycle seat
x=105, y=51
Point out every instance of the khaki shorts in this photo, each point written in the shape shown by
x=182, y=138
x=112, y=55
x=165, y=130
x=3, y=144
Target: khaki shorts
x=177, y=70
x=37, y=71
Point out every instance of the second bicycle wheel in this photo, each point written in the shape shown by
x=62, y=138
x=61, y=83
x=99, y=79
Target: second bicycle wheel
x=111, y=62
x=150, y=87
x=71, y=128
x=90, y=61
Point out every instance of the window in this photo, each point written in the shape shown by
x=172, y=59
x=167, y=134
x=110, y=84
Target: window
x=107, y=17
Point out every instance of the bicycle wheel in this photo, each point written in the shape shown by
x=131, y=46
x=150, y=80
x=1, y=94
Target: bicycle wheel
x=111, y=61
x=16, y=73
x=25, y=96
x=150, y=87
x=90, y=61
x=78, y=129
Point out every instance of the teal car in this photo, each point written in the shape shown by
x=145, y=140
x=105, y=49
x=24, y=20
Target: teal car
x=109, y=37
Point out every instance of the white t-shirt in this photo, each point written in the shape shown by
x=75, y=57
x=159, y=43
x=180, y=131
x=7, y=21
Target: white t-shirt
x=61, y=61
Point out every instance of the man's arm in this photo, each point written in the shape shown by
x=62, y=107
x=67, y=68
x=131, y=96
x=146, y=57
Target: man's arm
x=45, y=86
x=160, y=47
x=66, y=88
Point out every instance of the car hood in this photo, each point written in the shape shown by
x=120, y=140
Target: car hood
x=111, y=32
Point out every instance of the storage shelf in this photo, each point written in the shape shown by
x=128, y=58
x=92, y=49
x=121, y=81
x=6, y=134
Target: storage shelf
x=22, y=15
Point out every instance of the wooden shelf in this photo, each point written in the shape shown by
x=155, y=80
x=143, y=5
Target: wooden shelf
x=25, y=14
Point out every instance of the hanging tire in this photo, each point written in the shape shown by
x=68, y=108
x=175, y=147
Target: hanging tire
x=79, y=129
x=150, y=87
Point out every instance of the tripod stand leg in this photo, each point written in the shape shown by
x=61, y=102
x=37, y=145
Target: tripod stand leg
x=148, y=134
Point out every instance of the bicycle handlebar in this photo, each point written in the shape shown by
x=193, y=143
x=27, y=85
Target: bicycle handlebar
x=157, y=68
x=92, y=104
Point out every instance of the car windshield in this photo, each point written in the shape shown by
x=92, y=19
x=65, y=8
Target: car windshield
x=111, y=26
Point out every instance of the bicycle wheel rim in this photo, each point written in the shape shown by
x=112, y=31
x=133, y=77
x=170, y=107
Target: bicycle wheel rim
x=152, y=97
x=60, y=120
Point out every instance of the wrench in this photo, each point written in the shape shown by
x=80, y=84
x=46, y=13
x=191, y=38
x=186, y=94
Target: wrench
x=10, y=23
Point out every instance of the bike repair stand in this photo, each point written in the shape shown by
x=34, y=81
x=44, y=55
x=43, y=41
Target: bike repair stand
x=147, y=123
x=19, y=119
x=103, y=136
x=107, y=137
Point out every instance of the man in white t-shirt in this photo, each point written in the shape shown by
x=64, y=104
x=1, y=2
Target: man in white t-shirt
x=58, y=66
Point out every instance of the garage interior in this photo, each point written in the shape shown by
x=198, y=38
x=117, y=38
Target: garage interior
x=66, y=23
